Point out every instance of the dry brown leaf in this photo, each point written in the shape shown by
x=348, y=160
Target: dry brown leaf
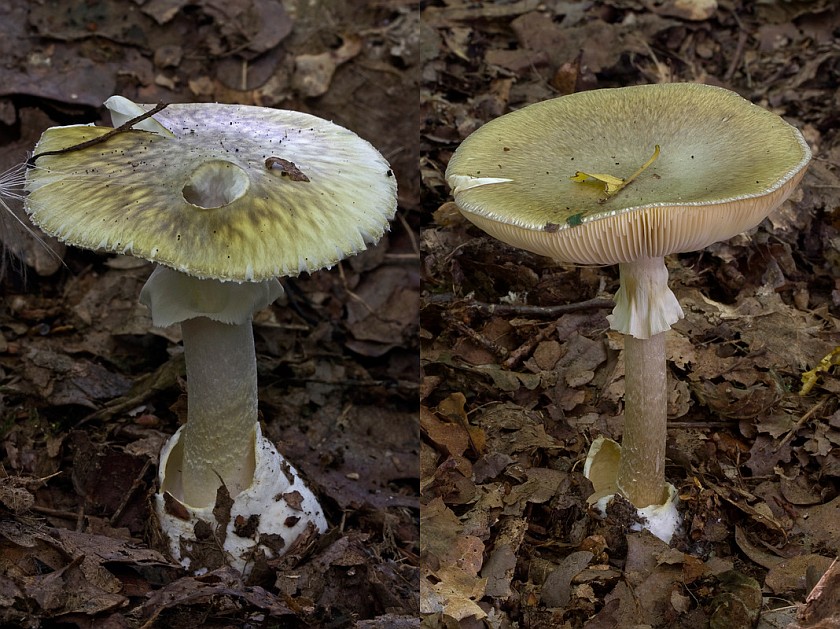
x=789, y=575
x=448, y=435
x=821, y=525
x=453, y=592
x=557, y=588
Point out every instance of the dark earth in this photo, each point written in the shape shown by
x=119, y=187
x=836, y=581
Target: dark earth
x=89, y=390
x=517, y=370
x=520, y=371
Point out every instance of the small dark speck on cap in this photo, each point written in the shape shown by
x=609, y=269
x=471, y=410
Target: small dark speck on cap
x=551, y=227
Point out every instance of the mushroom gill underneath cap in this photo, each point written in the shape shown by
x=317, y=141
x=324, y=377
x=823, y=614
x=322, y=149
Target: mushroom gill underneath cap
x=724, y=164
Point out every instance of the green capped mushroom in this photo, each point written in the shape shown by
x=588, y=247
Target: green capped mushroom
x=224, y=198
x=211, y=197
x=627, y=176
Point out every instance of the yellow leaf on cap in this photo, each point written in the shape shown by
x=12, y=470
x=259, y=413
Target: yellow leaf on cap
x=611, y=184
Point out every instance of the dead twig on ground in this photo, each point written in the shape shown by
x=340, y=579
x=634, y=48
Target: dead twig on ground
x=521, y=309
x=802, y=420
x=491, y=346
x=524, y=350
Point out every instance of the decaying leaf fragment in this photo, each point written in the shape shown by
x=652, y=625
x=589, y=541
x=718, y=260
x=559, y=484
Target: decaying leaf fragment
x=453, y=586
x=612, y=184
x=809, y=378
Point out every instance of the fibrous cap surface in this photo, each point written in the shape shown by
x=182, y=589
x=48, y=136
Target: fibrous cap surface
x=724, y=164
x=142, y=192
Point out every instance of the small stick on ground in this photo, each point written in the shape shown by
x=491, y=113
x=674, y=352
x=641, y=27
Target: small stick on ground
x=524, y=350
x=522, y=309
x=491, y=346
x=55, y=513
x=736, y=58
x=802, y=420
x=138, y=480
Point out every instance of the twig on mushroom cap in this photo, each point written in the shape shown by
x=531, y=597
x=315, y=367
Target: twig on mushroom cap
x=612, y=185
x=126, y=126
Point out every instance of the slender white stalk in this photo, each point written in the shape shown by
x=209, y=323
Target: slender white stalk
x=221, y=438
x=218, y=439
x=645, y=309
x=641, y=470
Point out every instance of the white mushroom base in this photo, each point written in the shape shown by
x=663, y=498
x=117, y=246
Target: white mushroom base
x=601, y=468
x=273, y=516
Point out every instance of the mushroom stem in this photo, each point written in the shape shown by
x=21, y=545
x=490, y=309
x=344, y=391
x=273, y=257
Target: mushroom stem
x=641, y=470
x=218, y=438
x=645, y=309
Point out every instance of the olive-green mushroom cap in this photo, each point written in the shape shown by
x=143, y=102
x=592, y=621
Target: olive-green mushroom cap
x=232, y=192
x=724, y=164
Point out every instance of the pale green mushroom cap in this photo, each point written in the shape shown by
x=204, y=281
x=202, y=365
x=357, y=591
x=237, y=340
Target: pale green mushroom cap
x=193, y=190
x=725, y=164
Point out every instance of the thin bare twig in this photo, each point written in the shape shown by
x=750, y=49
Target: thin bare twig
x=55, y=513
x=802, y=420
x=736, y=58
x=126, y=126
x=135, y=485
x=522, y=309
x=491, y=346
x=519, y=354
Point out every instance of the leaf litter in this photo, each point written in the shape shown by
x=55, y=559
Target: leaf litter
x=89, y=391
x=507, y=537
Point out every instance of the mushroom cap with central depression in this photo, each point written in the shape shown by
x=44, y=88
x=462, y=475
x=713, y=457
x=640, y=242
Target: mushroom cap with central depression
x=724, y=164
x=228, y=192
